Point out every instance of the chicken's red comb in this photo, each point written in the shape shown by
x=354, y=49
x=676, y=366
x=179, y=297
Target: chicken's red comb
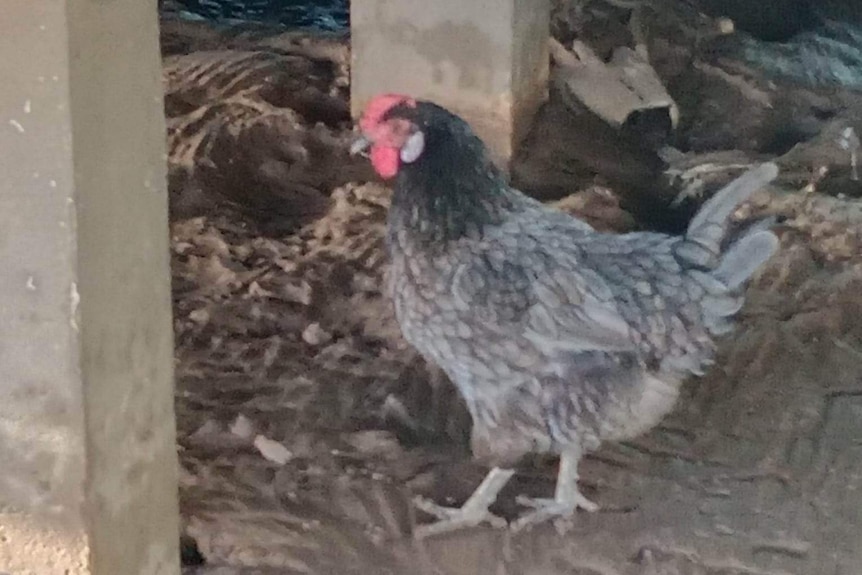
x=379, y=105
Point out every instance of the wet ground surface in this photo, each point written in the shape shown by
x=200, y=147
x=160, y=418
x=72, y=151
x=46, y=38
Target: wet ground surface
x=306, y=424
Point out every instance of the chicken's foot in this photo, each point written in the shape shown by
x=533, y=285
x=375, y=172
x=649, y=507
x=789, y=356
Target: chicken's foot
x=472, y=513
x=567, y=497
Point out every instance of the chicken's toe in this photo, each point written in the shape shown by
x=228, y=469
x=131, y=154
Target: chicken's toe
x=551, y=509
x=472, y=513
x=452, y=518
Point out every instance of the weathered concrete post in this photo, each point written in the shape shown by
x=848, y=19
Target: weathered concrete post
x=88, y=476
x=487, y=61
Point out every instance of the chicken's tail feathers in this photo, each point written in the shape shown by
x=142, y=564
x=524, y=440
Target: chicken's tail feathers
x=723, y=285
x=722, y=261
x=706, y=236
x=746, y=254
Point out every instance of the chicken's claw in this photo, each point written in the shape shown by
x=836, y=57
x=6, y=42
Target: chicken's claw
x=567, y=498
x=551, y=509
x=452, y=518
x=472, y=513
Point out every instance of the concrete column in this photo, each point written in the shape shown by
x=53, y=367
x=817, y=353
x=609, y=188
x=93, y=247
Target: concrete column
x=88, y=474
x=486, y=60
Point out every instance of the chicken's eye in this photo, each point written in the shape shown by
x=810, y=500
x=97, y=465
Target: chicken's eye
x=413, y=147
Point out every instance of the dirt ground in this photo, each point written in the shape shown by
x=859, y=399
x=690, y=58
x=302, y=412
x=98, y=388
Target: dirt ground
x=306, y=424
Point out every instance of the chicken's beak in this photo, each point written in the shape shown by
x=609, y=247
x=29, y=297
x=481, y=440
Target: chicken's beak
x=360, y=146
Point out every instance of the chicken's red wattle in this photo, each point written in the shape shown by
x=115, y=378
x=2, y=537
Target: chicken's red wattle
x=385, y=161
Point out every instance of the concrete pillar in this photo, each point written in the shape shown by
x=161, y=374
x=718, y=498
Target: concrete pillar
x=88, y=474
x=486, y=60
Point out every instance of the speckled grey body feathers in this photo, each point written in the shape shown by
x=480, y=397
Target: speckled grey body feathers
x=557, y=336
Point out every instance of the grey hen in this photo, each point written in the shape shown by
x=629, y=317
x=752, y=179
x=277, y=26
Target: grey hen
x=557, y=336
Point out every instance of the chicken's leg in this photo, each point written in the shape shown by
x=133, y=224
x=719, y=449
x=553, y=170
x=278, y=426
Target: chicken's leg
x=472, y=513
x=567, y=497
